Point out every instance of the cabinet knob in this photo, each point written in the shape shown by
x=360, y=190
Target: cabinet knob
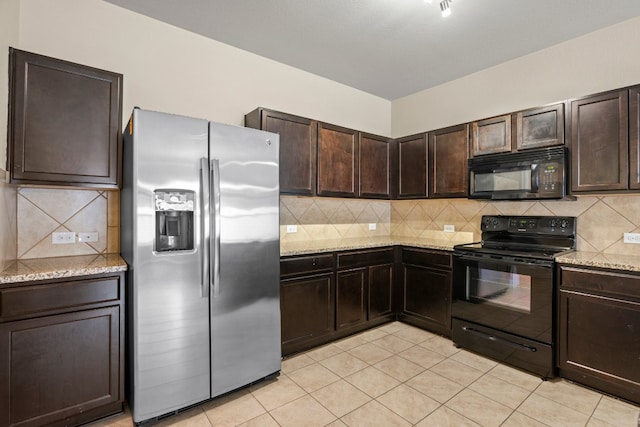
x=314, y=262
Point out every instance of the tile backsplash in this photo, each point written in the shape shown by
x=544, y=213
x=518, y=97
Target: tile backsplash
x=34, y=213
x=602, y=220
x=8, y=222
x=42, y=211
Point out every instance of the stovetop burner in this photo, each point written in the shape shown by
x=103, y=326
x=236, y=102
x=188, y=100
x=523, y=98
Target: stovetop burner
x=541, y=237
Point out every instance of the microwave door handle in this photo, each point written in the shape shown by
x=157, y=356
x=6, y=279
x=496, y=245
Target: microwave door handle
x=535, y=179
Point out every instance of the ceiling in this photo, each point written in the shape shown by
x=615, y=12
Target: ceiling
x=389, y=48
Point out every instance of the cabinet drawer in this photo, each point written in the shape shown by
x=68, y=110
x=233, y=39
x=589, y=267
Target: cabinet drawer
x=29, y=300
x=606, y=283
x=307, y=264
x=426, y=258
x=365, y=258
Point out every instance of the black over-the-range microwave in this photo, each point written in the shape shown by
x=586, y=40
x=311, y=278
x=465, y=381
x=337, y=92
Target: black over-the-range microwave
x=531, y=174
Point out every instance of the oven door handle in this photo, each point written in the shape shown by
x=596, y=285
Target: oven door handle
x=498, y=339
x=502, y=259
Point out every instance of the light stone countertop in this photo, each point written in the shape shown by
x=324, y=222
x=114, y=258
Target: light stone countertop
x=331, y=245
x=595, y=259
x=60, y=267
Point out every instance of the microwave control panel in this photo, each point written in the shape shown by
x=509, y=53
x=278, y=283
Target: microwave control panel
x=550, y=177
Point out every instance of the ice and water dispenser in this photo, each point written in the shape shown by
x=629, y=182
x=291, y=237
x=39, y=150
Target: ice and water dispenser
x=174, y=220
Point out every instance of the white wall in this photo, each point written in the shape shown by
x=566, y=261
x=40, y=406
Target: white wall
x=9, y=17
x=168, y=69
x=599, y=61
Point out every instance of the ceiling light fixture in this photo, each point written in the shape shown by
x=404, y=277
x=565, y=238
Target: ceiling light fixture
x=428, y=1
x=445, y=8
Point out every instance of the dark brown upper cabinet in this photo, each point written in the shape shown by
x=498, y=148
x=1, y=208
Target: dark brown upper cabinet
x=448, y=150
x=64, y=123
x=298, y=148
x=337, y=161
x=634, y=138
x=375, y=162
x=540, y=127
x=491, y=136
x=598, y=126
x=412, y=167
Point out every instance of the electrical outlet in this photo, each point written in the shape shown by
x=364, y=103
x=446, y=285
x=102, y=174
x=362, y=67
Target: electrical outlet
x=292, y=228
x=88, y=236
x=372, y=226
x=63, y=237
x=632, y=238
x=448, y=228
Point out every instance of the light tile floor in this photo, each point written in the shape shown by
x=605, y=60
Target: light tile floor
x=399, y=375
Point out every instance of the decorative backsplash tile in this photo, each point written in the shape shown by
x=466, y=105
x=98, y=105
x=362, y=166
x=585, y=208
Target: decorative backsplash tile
x=35, y=213
x=602, y=220
x=42, y=211
x=8, y=222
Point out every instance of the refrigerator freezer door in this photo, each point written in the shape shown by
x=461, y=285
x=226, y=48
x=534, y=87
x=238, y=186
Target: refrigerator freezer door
x=170, y=354
x=245, y=307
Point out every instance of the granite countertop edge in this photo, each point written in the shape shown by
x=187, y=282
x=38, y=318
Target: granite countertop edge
x=323, y=246
x=629, y=263
x=36, y=269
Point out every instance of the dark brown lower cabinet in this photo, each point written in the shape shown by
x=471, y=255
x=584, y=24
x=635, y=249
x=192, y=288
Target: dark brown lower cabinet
x=307, y=301
x=364, y=288
x=322, y=300
x=599, y=330
x=426, y=290
x=62, y=351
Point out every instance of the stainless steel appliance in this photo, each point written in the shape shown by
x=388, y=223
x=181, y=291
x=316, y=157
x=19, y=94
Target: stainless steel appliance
x=503, y=301
x=200, y=234
x=530, y=174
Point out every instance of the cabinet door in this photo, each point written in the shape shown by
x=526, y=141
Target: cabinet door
x=337, y=161
x=634, y=138
x=65, y=123
x=350, y=298
x=600, y=343
x=61, y=367
x=599, y=142
x=491, y=136
x=412, y=167
x=380, y=291
x=375, y=166
x=427, y=297
x=448, y=165
x=540, y=127
x=298, y=146
x=306, y=307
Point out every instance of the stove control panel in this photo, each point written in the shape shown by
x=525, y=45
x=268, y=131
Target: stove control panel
x=564, y=226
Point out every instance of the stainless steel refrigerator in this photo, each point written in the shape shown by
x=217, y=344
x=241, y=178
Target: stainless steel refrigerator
x=200, y=234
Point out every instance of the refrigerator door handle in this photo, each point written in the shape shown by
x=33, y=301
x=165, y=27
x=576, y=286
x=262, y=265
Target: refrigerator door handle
x=204, y=226
x=215, y=249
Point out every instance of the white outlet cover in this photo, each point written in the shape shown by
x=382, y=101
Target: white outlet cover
x=292, y=228
x=372, y=226
x=63, y=237
x=449, y=228
x=90, y=236
x=632, y=238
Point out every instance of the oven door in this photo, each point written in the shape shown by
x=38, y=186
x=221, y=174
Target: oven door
x=512, y=295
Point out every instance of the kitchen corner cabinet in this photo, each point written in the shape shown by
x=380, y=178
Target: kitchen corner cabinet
x=412, y=167
x=448, y=150
x=599, y=142
x=64, y=123
x=337, y=161
x=375, y=162
x=364, y=287
x=307, y=301
x=599, y=330
x=298, y=148
x=62, y=357
x=426, y=290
